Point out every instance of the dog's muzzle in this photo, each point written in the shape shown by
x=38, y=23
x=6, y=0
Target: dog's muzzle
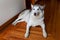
x=36, y=14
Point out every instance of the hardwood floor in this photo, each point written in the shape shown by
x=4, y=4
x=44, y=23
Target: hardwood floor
x=17, y=33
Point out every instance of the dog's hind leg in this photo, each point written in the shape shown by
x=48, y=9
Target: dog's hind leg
x=20, y=17
x=44, y=30
x=17, y=20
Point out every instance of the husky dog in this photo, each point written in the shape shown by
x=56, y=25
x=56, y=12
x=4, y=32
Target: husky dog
x=33, y=17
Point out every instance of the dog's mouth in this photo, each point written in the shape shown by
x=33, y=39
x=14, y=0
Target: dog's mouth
x=36, y=14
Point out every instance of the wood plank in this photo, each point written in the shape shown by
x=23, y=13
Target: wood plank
x=17, y=33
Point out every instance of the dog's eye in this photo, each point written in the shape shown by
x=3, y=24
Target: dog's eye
x=37, y=9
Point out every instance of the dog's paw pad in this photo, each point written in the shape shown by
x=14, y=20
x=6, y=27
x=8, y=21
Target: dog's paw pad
x=14, y=23
x=45, y=35
x=26, y=35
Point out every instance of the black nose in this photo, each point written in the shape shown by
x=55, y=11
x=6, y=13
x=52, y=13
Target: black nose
x=34, y=14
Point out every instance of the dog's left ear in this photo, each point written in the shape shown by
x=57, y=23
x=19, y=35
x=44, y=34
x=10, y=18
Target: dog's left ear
x=42, y=7
x=31, y=5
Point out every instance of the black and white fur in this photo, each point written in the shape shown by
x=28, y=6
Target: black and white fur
x=33, y=17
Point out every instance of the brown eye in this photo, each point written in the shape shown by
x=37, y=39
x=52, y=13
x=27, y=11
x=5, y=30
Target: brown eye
x=37, y=9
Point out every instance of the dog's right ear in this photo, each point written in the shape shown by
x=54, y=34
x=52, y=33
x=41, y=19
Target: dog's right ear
x=31, y=6
x=42, y=7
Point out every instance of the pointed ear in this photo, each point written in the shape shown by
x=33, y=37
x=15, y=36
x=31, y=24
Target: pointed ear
x=31, y=6
x=42, y=7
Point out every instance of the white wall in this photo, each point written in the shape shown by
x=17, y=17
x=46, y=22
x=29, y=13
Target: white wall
x=9, y=8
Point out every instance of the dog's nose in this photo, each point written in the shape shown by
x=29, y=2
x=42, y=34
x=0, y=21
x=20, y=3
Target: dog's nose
x=34, y=14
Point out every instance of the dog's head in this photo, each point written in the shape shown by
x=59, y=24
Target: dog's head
x=37, y=9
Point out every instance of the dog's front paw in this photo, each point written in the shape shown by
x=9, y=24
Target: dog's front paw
x=26, y=35
x=44, y=34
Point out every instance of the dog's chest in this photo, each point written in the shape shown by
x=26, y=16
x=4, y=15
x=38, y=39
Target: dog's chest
x=34, y=21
